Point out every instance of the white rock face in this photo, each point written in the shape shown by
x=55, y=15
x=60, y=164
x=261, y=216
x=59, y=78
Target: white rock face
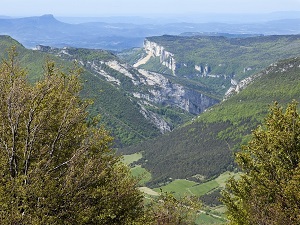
x=166, y=58
x=157, y=120
x=108, y=77
x=119, y=67
x=238, y=86
x=151, y=78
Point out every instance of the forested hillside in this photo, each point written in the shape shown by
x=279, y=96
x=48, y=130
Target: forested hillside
x=162, y=100
x=206, y=145
x=120, y=115
x=215, y=61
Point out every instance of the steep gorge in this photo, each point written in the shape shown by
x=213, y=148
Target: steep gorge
x=161, y=100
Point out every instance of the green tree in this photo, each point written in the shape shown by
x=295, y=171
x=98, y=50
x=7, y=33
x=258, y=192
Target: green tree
x=268, y=190
x=168, y=210
x=55, y=166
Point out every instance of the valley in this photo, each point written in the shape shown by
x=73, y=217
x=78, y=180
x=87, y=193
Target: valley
x=179, y=106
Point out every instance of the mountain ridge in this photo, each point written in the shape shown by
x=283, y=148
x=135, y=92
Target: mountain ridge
x=215, y=61
x=205, y=146
x=30, y=31
x=161, y=100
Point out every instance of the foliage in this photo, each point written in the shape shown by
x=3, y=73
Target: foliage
x=119, y=114
x=235, y=58
x=189, y=148
x=168, y=210
x=56, y=168
x=206, y=145
x=268, y=192
x=141, y=174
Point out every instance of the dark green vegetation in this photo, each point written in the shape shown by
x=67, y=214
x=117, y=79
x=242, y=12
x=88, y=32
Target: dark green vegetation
x=235, y=58
x=120, y=115
x=162, y=99
x=206, y=145
x=268, y=191
x=56, y=166
x=212, y=211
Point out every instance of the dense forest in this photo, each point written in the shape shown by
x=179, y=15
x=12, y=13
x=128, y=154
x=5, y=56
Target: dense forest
x=59, y=164
x=219, y=132
x=58, y=167
x=222, y=58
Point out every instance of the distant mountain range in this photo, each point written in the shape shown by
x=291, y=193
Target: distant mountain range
x=216, y=62
x=47, y=30
x=137, y=104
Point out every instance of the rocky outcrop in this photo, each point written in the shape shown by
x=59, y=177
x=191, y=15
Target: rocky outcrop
x=149, y=90
x=162, y=91
x=203, y=70
x=154, y=88
x=236, y=86
x=160, y=123
x=166, y=58
x=42, y=48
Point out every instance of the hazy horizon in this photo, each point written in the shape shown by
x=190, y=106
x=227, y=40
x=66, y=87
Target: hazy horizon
x=108, y=8
x=234, y=18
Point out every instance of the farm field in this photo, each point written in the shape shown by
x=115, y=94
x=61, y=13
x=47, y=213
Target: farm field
x=182, y=187
x=185, y=187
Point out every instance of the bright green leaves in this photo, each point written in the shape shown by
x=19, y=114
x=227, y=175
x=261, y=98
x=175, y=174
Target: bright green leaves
x=266, y=193
x=56, y=168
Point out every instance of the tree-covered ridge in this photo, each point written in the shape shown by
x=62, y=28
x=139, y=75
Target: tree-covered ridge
x=82, y=53
x=120, y=115
x=278, y=82
x=268, y=190
x=56, y=166
x=216, y=134
x=161, y=98
x=234, y=58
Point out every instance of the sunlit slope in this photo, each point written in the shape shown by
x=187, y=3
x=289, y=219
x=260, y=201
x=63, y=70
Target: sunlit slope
x=119, y=114
x=204, y=148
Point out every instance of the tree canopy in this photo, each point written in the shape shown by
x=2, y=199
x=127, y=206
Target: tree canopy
x=57, y=167
x=268, y=190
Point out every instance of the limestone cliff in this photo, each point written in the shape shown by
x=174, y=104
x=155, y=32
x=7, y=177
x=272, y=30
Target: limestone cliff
x=166, y=58
x=154, y=89
x=150, y=90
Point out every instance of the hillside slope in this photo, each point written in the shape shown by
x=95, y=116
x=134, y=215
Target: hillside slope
x=160, y=100
x=135, y=104
x=204, y=147
x=216, y=62
x=120, y=115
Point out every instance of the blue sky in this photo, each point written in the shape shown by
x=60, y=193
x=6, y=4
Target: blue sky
x=98, y=8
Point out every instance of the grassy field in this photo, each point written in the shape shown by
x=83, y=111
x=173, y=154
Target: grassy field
x=137, y=171
x=128, y=159
x=141, y=173
x=181, y=187
x=208, y=219
x=178, y=187
x=184, y=187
